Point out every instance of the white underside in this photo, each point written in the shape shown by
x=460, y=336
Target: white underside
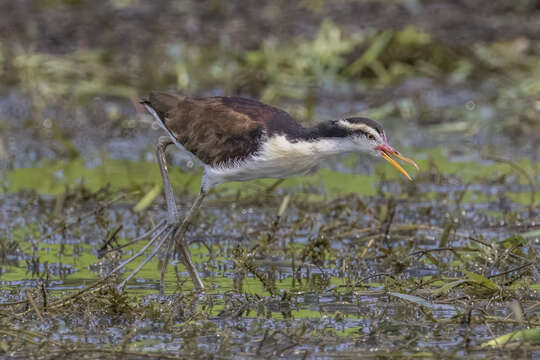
x=278, y=158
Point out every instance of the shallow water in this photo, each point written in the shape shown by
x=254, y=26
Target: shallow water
x=362, y=261
x=237, y=312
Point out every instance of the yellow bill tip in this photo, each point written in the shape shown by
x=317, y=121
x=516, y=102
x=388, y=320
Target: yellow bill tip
x=396, y=165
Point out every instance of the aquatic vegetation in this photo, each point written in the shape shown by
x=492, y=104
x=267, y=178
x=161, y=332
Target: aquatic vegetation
x=352, y=259
x=350, y=254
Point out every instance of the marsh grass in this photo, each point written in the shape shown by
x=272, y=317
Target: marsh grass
x=451, y=275
x=352, y=260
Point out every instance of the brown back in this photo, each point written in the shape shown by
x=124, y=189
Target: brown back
x=220, y=129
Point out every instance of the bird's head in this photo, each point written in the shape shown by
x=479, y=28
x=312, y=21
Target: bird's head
x=367, y=136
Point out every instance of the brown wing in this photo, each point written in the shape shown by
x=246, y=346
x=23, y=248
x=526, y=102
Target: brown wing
x=219, y=129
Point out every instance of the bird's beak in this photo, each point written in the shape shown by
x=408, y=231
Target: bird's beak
x=386, y=150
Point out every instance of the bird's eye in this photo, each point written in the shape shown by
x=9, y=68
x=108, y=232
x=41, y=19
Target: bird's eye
x=370, y=136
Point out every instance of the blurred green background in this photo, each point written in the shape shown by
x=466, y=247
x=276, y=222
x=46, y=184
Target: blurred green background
x=446, y=75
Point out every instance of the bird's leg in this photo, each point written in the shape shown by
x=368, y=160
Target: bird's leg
x=169, y=230
x=173, y=220
x=172, y=212
x=164, y=268
x=182, y=245
x=173, y=229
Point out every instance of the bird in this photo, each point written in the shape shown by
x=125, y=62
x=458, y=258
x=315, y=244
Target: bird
x=241, y=139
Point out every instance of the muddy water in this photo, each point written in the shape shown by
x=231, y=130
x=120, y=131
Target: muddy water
x=361, y=261
x=334, y=285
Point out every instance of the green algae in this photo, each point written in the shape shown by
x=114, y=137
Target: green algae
x=334, y=58
x=52, y=177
